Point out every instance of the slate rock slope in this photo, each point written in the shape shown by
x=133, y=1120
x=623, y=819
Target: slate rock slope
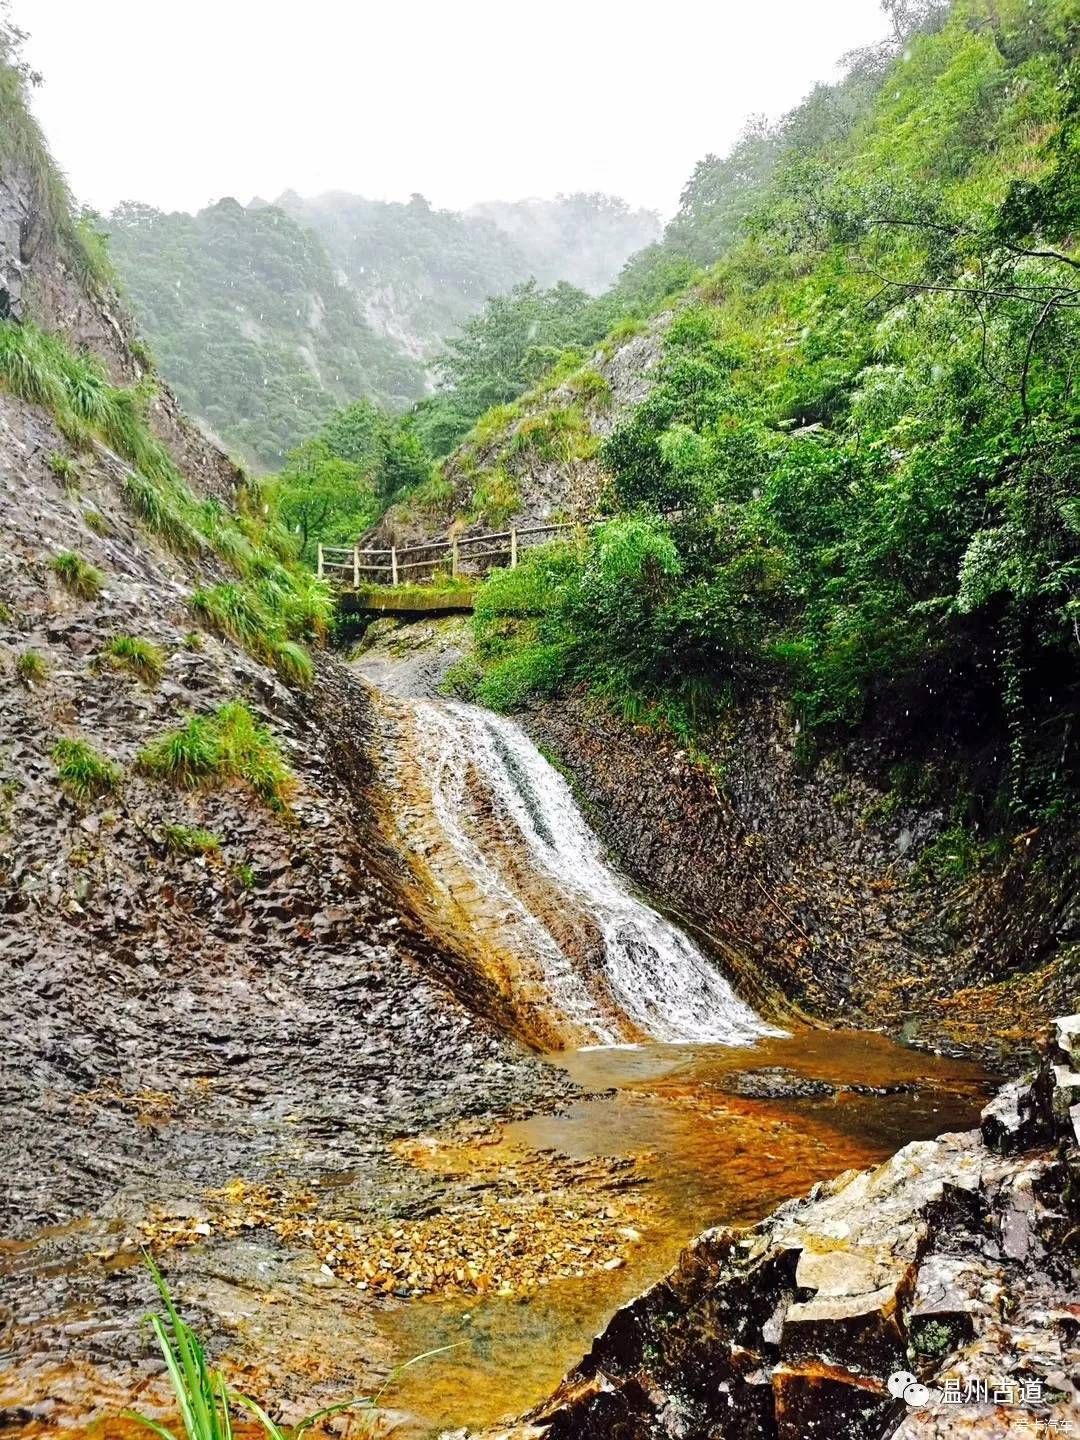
x=176, y=1016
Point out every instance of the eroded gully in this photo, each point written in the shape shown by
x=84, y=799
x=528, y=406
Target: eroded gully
x=320, y=1224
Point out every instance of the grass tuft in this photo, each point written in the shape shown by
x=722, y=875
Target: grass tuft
x=293, y=663
x=188, y=757
x=191, y=840
x=66, y=470
x=31, y=669
x=205, y=1400
x=214, y=749
x=163, y=513
x=78, y=575
x=236, y=612
x=141, y=658
x=84, y=774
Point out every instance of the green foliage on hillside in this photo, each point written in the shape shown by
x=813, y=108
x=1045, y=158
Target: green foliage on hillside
x=266, y=319
x=424, y=272
x=336, y=485
x=865, y=423
x=515, y=341
x=249, y=323
x=289, y=605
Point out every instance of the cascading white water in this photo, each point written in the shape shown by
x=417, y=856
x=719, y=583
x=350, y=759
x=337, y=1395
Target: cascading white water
x=656, y=975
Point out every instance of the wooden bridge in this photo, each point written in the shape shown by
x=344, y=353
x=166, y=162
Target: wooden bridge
x=430, y=576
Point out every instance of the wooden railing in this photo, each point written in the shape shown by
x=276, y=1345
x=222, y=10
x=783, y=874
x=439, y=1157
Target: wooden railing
x=351, y=567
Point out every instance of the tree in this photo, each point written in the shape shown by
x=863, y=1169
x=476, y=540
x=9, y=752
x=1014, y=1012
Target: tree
x=492, y=360
x=322, y=498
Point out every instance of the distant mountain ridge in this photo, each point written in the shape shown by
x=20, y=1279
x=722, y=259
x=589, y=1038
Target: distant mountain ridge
x=268, y=317
x=420, y=272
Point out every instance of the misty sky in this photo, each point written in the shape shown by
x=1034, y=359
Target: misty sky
x=177, y=102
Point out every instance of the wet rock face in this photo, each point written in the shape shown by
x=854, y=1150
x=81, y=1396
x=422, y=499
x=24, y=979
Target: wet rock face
x=173, y=1022
x=39, y=283
x=807, y=885
x=953, y=1265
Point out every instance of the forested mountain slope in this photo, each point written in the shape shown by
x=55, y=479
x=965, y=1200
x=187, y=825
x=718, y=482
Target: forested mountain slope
x=267, y=318
x=420, y=272
x=248, y=318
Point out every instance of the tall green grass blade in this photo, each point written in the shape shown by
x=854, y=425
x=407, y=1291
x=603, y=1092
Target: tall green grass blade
x=161, y=1431
x=271, y=1427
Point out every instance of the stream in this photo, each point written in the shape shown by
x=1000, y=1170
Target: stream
x=708, y=1155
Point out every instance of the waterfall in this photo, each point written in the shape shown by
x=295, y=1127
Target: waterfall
x=656, y=977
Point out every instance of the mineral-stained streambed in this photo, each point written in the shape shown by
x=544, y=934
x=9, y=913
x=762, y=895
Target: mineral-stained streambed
x=720, y=1134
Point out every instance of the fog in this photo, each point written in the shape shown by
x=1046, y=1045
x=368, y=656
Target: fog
x=177, y=104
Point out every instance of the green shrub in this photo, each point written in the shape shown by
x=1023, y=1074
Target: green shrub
x=84, y=773
x=31, y=668
x=142, y=658
x=191, y=840
x=96, y=523
x=78, y=575
x=537, y=670
x=214, y=749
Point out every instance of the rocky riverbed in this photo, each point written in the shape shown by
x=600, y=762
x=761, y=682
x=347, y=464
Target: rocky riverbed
x=934, y=1296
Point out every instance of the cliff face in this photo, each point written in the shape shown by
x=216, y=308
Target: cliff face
x=45, y=280
x=817, y=885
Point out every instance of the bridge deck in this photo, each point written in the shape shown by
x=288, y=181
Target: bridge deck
x=408, y=599
x=425, y=578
